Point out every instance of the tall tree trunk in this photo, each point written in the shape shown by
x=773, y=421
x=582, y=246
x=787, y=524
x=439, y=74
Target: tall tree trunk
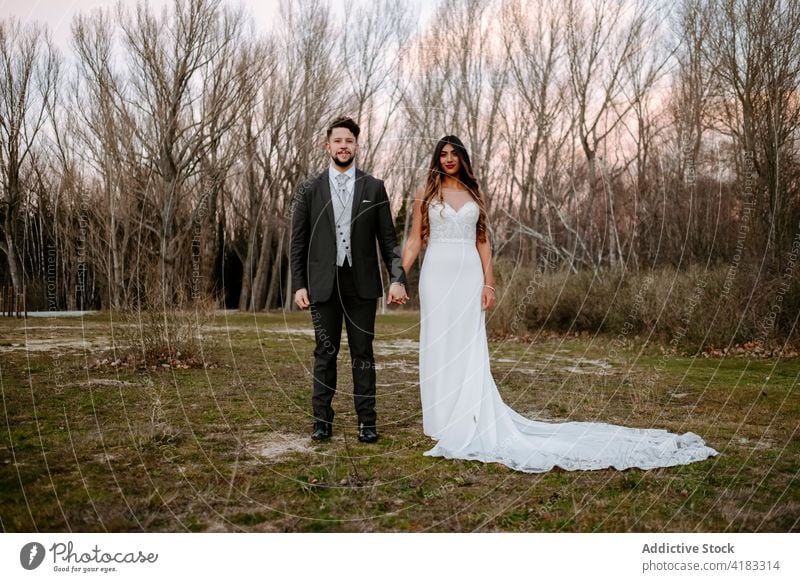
x=247, y=272
x=167, y=242
x=275, y=279
x=13, y=262
x=211, y=240
x=262, y=271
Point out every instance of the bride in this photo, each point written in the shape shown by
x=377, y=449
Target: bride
x=461, y=407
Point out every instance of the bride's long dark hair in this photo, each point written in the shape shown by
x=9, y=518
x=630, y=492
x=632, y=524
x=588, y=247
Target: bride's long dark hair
x=433, y=185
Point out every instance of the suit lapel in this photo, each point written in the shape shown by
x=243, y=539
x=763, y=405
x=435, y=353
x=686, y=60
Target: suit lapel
x=358, y=196
x=325, y=189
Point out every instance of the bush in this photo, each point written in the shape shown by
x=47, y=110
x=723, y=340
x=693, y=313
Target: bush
x=174, y=336
x=690, y=309
x=515, y=288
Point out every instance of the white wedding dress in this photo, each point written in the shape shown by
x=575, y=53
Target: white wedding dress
x=461, y=407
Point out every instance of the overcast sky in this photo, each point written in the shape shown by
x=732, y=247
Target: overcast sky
x=57, y=14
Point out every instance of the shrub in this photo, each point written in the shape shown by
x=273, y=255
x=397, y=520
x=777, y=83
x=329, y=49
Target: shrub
x=691, y=309
x=154, y=335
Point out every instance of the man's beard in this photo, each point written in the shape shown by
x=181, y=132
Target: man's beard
x=340, y=163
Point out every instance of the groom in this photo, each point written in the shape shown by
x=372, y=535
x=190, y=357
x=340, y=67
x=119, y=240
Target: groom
x=337, y=218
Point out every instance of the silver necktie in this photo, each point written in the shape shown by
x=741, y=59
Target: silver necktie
x=341, y=182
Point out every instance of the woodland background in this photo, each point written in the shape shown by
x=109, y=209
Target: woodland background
x=638, y=157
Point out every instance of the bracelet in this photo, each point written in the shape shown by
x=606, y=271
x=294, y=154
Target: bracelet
x=490, y=287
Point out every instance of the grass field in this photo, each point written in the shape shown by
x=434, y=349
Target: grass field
x=227, y=448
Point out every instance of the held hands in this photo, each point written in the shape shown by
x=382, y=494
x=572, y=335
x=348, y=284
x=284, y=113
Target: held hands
x=397, y=294
x=301, y=298
x=487, y=297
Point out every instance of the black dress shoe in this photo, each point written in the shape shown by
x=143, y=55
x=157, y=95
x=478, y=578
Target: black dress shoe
x=322, y=431
x=367, y=434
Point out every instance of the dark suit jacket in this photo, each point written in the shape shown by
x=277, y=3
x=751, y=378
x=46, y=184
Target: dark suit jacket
x=314, y=238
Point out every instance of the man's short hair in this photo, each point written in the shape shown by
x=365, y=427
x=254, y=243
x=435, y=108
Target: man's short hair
x=345, y=122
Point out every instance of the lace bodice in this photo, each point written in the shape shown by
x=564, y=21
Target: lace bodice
x=450, y=225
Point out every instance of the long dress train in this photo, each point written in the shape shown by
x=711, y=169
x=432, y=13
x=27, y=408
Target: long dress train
x=462, y=408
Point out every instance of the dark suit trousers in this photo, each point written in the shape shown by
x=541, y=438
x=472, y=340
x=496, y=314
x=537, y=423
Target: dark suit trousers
x=359, y=317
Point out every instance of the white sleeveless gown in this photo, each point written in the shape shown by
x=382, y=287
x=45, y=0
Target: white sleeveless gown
x=461, y=407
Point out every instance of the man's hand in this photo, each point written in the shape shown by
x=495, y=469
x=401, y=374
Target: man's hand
x=397, y=294
x=301, y=298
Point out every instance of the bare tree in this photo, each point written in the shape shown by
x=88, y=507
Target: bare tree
x=306, y=41
x=102, y=124
x=601, y=40
x=757, y=46
x=458, y=88
x=263, y=131
x=182, y=83
x=28, y=75
x=532, y=36
x=182, y=136
x=231, y=83
x=373, y=41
